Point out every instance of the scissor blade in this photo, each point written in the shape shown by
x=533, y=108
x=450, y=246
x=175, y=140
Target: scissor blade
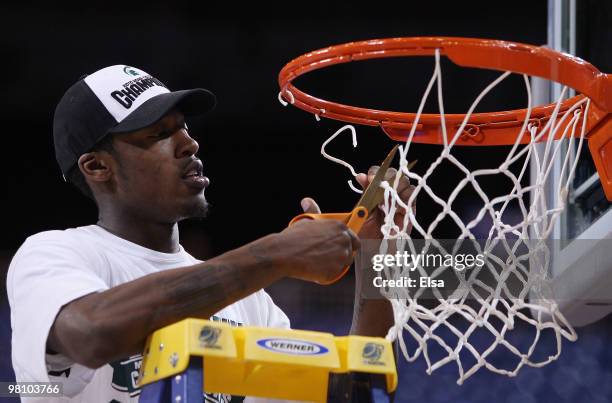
x=374, y=193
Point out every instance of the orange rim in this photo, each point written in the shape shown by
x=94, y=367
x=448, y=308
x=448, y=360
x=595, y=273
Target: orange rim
x=490, y=128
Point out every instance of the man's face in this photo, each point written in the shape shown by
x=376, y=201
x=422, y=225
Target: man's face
x=158, y=174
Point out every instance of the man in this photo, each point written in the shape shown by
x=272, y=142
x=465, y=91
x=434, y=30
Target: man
x=83, y=300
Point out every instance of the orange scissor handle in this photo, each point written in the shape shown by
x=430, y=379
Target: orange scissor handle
x=344, y=217
x=354, y=220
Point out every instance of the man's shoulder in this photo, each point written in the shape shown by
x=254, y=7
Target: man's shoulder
x=63, y=236
x=69, y=242
x=48, y=253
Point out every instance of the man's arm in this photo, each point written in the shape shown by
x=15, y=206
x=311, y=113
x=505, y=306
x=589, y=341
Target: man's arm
x=101, y=327
x=372, y=313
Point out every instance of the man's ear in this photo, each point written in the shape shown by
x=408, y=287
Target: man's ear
x=95, y=167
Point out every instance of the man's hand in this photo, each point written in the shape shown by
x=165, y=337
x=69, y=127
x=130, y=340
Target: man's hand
x=317, y=250
x=371, y=228
x=373, y=316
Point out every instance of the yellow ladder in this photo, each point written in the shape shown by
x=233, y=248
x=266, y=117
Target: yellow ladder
x=193, y=355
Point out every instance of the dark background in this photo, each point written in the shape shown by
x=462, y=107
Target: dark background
x=263, y=158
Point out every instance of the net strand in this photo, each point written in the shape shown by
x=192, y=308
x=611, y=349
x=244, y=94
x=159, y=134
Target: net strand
x=345, y=164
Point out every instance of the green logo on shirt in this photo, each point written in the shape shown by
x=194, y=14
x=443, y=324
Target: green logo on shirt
x=125, y=374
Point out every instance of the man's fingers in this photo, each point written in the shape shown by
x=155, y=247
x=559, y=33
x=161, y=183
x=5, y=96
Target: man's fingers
x=390, y=175
x=310, y=206
x=373, y=169
x=405, y=191
x=403, y=188
x=362, y=179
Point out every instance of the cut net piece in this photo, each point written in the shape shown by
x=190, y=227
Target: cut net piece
x=516, y=251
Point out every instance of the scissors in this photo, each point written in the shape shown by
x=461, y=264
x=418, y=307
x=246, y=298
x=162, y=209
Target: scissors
x=370, y=198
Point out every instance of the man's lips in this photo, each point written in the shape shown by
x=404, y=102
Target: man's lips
x=197, y=181
x=194, y=168
x=193, y=177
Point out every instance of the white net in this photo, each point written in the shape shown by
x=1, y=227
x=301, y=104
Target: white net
x=515, y=250
x=511, y=289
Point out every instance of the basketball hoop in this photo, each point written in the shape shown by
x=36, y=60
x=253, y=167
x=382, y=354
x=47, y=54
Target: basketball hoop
x=491, y=128
x=537, y=135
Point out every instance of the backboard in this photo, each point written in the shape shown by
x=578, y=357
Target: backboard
x=582, y=257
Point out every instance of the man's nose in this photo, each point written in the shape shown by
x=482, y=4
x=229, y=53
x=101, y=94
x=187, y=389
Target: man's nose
x=187, y=146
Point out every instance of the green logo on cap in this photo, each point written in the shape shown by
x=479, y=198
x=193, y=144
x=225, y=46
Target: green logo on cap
x=130, y=71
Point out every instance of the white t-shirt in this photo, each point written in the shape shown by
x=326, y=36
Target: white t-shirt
x=53, y=268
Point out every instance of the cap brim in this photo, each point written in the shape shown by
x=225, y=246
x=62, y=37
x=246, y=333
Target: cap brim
x=193, y=102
